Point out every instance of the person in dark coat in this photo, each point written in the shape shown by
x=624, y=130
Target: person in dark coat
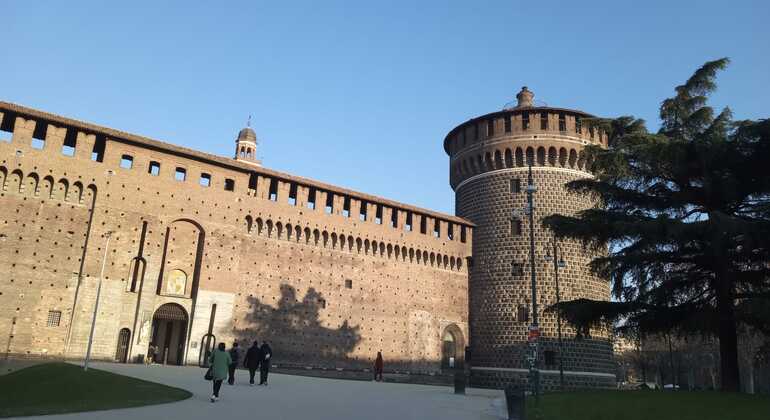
x=252, y=360
x=264, y=369
x=378, y=365
x=235, y=357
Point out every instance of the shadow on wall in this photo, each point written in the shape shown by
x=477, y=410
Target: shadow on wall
x=295, y=333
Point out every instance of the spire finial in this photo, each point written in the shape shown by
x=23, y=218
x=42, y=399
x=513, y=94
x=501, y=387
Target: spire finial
x=525, y=98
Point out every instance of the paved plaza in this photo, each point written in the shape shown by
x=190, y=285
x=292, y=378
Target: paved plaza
x=296, y=397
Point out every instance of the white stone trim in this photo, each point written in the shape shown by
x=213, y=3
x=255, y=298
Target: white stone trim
x=547, y=372
x=524, y=169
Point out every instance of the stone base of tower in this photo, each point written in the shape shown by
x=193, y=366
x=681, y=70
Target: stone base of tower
x=499, y=378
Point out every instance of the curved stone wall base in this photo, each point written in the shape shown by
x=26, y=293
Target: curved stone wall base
x=499, y=378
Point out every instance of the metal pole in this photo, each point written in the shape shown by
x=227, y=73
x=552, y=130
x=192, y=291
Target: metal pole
x=556, y=259
x=535, y=374
x=96, y=305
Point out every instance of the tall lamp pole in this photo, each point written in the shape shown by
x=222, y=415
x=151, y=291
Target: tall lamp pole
x=108, y=235
x=558, y=262
x=534, y=329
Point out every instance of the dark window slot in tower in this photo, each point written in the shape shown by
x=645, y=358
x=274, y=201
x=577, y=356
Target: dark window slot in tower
x=515, y=227
x=253, y=179
x=562, y=122
x=273, y=192
x=490, y=128
x=463, y=234
x=578, y=125
x=6, y=127
x=394, y=218
x=525, y=121
x=408, y=224
x=97, y=153
x=329, y=207
x=378, y=215
x=38, y=136
x=507, y=123
x=292, y=200
x=543, y=120
x=180, y=174
x=423, y=225
x=437, y=228
x=346, y=206
x=229, y=184
x=311, y=198
x=515, y=185
x=70, y=142
x=362, y=211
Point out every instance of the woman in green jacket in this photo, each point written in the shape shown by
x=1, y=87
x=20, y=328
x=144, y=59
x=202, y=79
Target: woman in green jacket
x=220, y=361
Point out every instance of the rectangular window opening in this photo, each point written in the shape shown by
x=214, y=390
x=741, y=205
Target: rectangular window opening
x=205, y=180
x=346, y=206
x=437, y=229
x=543, y=120
x=273, y=192
x=54, y=318
x=253, y=181
x=97, y=153
x=490, y=128
x=525, y=121
x=6, y=127
x=507, y=123
x=578, y=125
x=517, y=269
x=126, y=161
x=292, y=200
x=311, y=198
x=229, y=184
x=450, y=231
x=394, y=218
x=329, y=207
x=348, y=284
x=378, y=215
x=154, y=168
x=408, y=224
x=423, y=225
x=463, y=234
x=515, y=185
x=70, y=141
x=38, y=136
x=515, y=227
x=180, y=174
x=562, y=122
x=362, y=211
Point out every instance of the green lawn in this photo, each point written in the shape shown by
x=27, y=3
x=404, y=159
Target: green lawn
x=644, y=405
x=54, y=388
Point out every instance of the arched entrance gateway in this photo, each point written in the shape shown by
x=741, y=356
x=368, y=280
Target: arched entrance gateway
x=452, y=348
x=169, y=333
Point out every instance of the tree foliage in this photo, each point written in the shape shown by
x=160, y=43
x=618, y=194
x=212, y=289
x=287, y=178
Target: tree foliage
x=685, y=216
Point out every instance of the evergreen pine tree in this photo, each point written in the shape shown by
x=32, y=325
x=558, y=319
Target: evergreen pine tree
x=684, y=214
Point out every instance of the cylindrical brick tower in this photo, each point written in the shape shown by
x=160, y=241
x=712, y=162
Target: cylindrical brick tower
x=489, y=156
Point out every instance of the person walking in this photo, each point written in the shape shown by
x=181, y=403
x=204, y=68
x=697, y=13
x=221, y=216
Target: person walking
x=252, y=360
x=220, y=362
x=378, y=364
x=264, y=367
x=235, y=357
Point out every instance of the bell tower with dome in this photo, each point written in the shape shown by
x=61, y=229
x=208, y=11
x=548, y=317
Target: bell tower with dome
x=246, y=145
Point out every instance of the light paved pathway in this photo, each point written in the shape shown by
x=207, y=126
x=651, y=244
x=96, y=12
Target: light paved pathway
x=294, y=397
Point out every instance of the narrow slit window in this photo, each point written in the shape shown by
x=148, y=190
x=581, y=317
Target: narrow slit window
x=253, y=181
x=70, y=141
x=517, y=269
x=437, y=228
x=348, y=283
x=423, y=225
x=543, y=120
x=525, y=121
x=507, y=123
x=408, y=224
x=515, y=227
x=154, y=168
x=522, y=314
x=490, y=128
x=578, y=125
x=205, y=180
x=515, y=185
x=394, y=218
x=463, y=234
x=229, y=184
x=562, y=122
x=126, y=161
x=180, y=174
x=450, y=231
x=378, y=215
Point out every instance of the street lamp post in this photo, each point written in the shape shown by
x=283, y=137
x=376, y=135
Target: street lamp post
x=558, y=262
x=108, y=235
x=534, y=329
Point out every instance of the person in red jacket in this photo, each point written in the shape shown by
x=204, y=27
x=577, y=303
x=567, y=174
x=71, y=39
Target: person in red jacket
x=378, y=363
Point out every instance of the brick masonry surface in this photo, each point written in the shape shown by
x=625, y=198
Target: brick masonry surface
x=329, y=276
x=488, y=170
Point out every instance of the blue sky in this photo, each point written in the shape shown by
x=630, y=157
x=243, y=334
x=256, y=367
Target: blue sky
x=361, y=94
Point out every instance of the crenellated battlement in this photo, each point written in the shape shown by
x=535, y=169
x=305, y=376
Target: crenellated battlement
x=513, y=137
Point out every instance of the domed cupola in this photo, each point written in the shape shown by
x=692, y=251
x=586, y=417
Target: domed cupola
x=246, y=145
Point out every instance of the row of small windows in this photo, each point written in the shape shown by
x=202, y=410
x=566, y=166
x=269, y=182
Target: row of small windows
x=205, y=180
x=180, y=174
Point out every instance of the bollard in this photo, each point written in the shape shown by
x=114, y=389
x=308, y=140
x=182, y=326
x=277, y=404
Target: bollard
x=459, y=382
x=514, y=400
